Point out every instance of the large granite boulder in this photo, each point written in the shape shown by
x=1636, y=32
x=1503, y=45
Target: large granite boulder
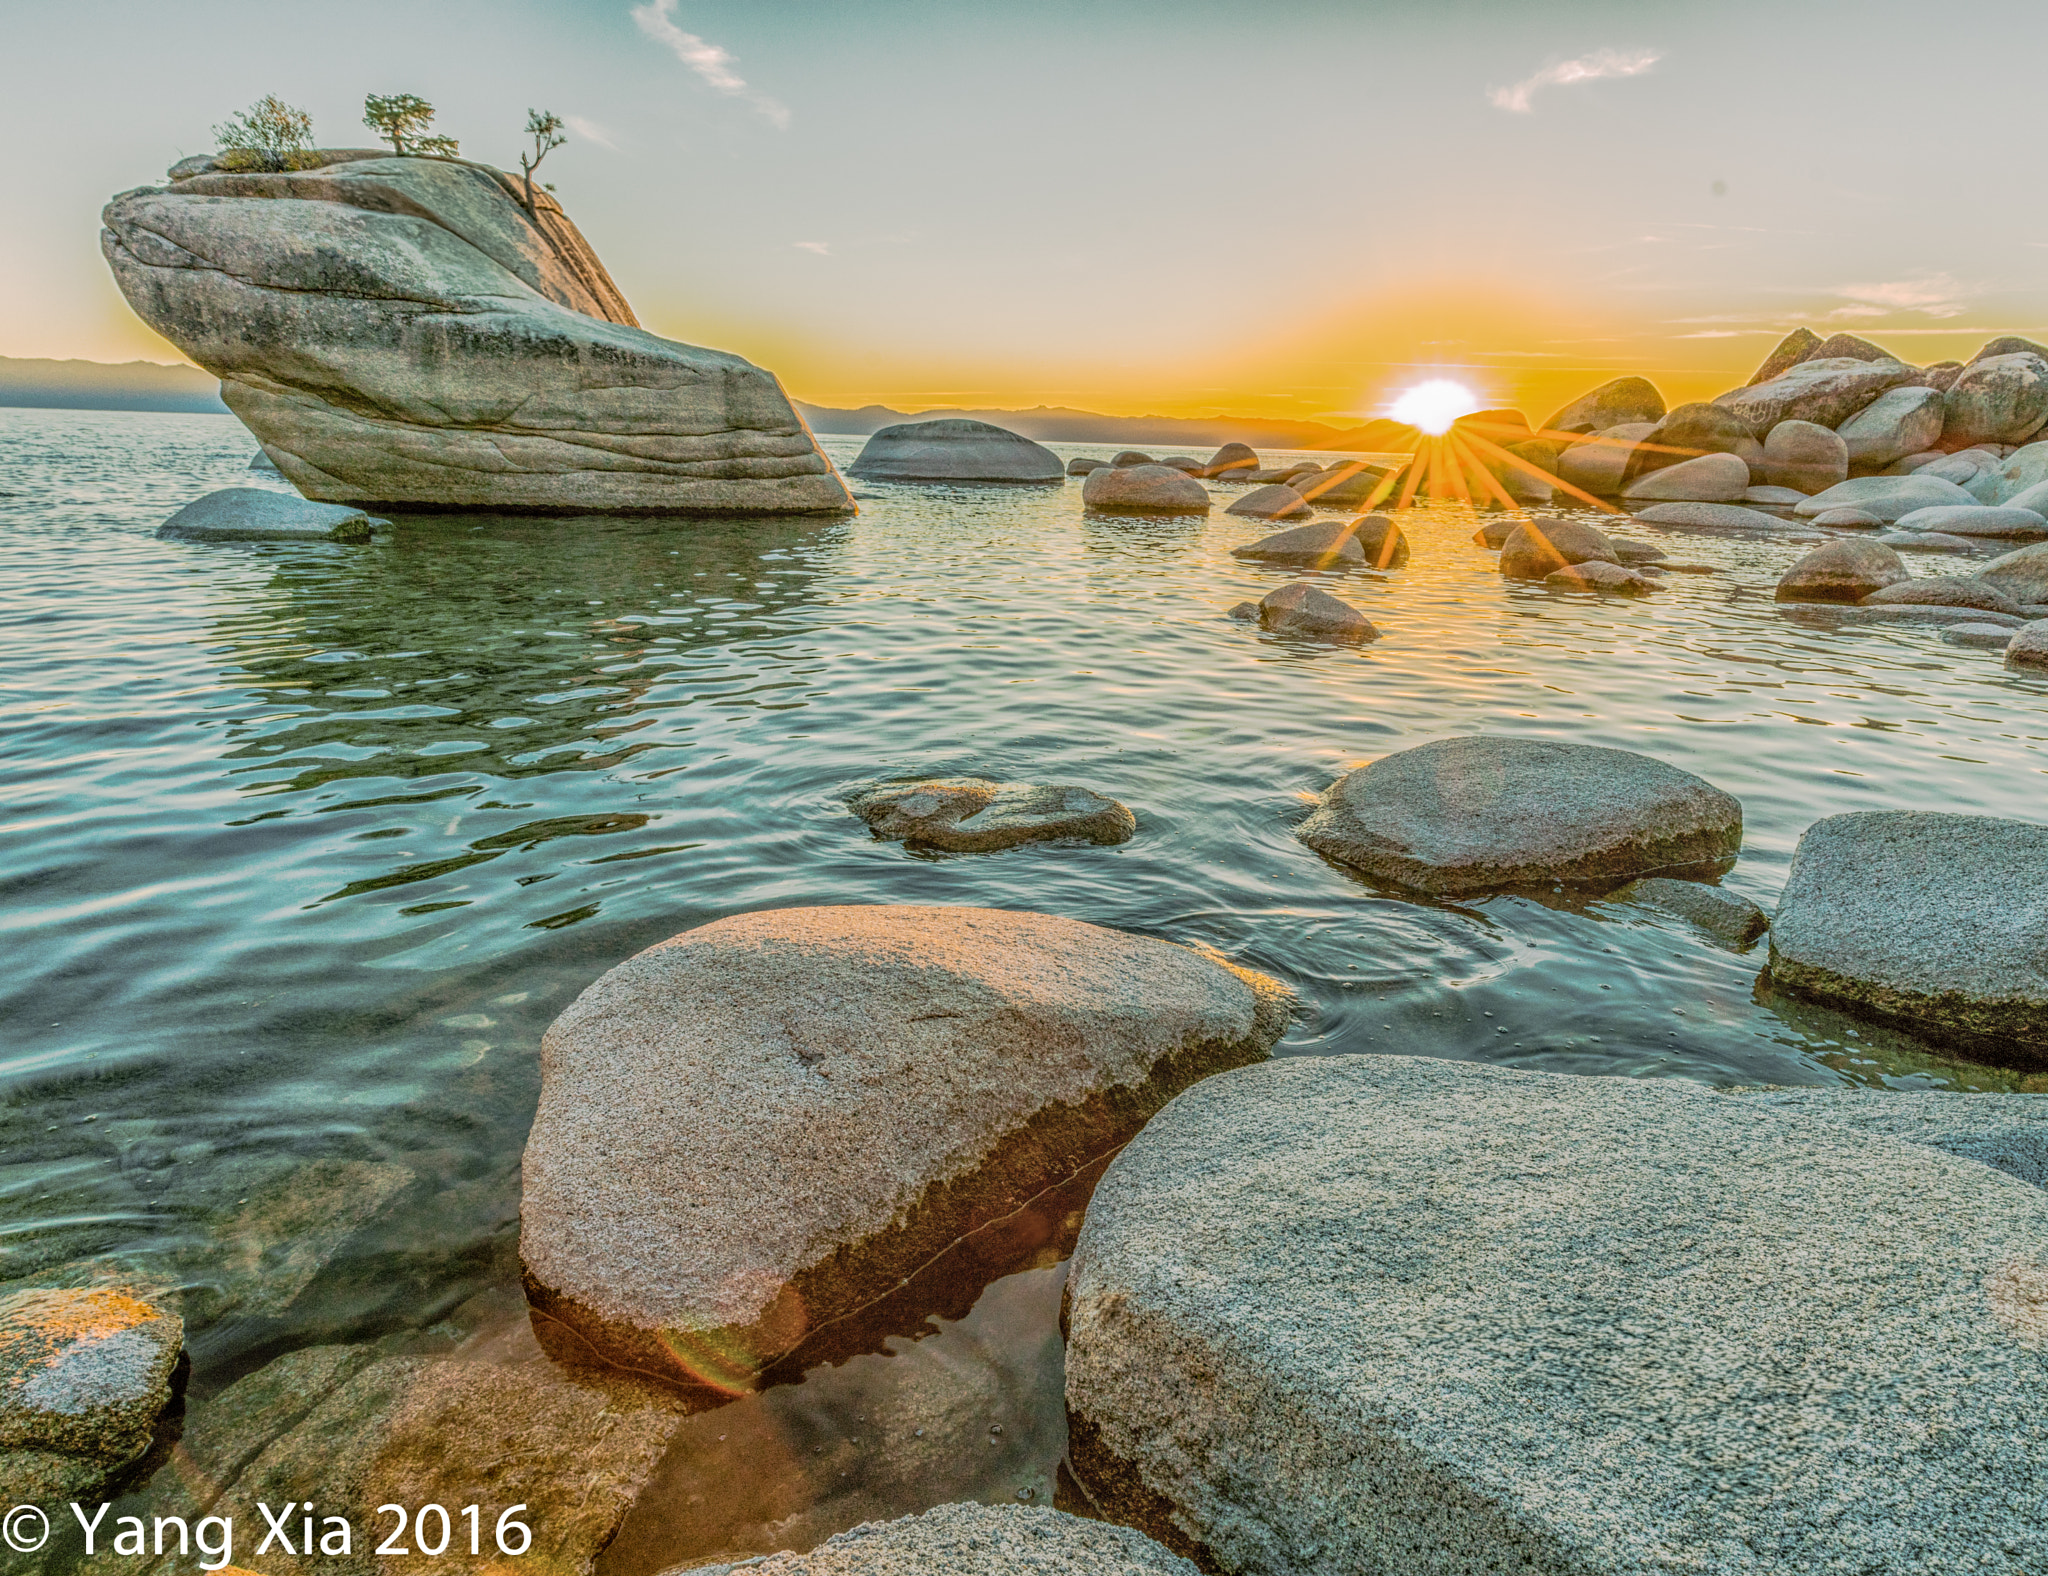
x=2021, y=574
x=1897, y=423
x=1803, y=457
x=971, y=1540
x=1536, y=549
x=749, y=1133
x=1232, y=459
x=2020, y=478
x=1615, y=403
x=1845, y=570
x=1687, y=432
x=1888, y=498
x=1707, y=478
x=2009, y=345
x=1929, y=920
x=403, y=330
x=1485, y=811
x=1143, y=489
x=1596, y=466
x=256, y=514
x=1795, y=347
x=1306, y=610
x=954, y=449
x=2001, y=399
x=1384, y=543
x=2008, y=1132
x=1391, y=1314
x=1826, y=392
x=973, y=815
x=1849, y=347
x=2009, y=521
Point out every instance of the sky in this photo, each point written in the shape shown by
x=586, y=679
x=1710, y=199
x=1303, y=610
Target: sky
x=1185, y=208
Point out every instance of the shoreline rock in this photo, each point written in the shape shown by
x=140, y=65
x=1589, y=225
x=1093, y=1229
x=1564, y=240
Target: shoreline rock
x=256, y=514
x=1144, y=489
x=953, y=449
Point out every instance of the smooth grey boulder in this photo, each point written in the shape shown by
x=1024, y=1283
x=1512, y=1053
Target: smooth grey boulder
x=1991, y=520
x=954, y=449
x=1144, y=489
x=1596, y=465
x=1846, y=519
x=1306, y=610
x=2028, y=647
x=1836, y=614
x=1726, y=916
x=1270, y=502
x=2021, y=574
x=978, y=814
x=1926, y=541
x=1129, y=457
x=404, y=330
x=2008, y=1132
x=1720, y=519
x=1886, y=497
x=1826, y=391
x=257, y=514
x=1981, y=637
x=2035, y=496
x=1486, y=811
x=1384, y=543
x=1328, y=543
x=971, y=1540
x=1845, y=570
x=1687, y=432
x=1803, y=457
x=1397, y=1315
x=1535, y=549
x=1897, y=423
x=1773, y=497
x=748, y=1133
x=2001, y=398
x=1945, y=591
x=1082, y=466
x=1615, y=403
x=1929, y=920
x=1232, y=457
x=1710, y=478
x=1598, y=575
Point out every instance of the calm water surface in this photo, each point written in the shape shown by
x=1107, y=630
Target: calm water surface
x=302, y=847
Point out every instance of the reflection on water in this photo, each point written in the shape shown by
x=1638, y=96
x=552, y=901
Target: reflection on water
x=304, y=846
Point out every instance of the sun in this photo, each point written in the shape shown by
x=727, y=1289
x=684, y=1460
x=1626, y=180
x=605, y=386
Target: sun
x=1434, y=405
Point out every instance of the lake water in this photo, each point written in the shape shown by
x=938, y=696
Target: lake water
x=303, y=847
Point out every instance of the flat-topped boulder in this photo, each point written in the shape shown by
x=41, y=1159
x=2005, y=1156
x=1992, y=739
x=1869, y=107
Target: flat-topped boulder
x=1393, y=1314
x=1726, y=916
x=1929, y=920
x=954, y=449
x=257, y=514
x=749, y=1133
x=405, y=330
x=1487, y=811
x=971, y=1540
x=979, y=815
x=1144, y=489
x=1990, y=520
x=2008, y=1132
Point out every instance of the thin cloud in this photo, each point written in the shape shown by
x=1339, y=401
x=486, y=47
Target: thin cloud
x=591, y=131
x=712, y=63
x=822, y=248
x=1931, y=295
x=1600, y=64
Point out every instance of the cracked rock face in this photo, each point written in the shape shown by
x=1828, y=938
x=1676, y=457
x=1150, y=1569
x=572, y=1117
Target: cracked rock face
x=404, y=331
x=750, y=1133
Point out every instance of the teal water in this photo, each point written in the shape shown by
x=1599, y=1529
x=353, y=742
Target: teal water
x=302, y=847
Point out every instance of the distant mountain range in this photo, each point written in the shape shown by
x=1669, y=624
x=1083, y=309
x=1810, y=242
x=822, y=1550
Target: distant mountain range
x=148, y=385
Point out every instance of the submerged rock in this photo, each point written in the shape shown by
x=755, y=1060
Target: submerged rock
x=1598, y=575
x=1932, y=921
x=404, y=330
x=1982, y=637
x=84, y=1376
x=953, y=450
x=977, y=815
x=1847, y=519
x=256, y=514
x=1726, y=916
x=1485, y=811
x=1845, y=570
x=752, y=1131
x=1945, y=591
x=1144, y=489
x=1331, y=543
x=1271, y=502
x=1535, y=549
x=971, y=1540
x=1394, y=1314
x=1300, y=608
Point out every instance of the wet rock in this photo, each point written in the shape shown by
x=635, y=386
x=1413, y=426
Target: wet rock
x=2028, y=647
x=972, y=1540
x=2021, y=574
x=2008, y=1132
x=1631, y=553
x=256, y=514
x=1983, y=637
x=1945, y=591
x=1922, y=541
x=1897, y=423
x=1384, y=544
x=1773, y=497
x=953, y=449
x=1711, y=478
x=1596, y=466
x=84, y=1376
x=1331, y=543
x=1485, y=811
x=1230, y=458
x=1726, y=916
x=1144, y=489
x=1271, y=502
x=2002, y=398
x=978, y=815
x=1845, y=570
x=1930, y=920
x=748, y=1133
x=1536, y=548
x=1618, y=402
x=1688, y=432
x=1300, y=608
x=1082, y=466
x=1720, y=519
x=1804, y=457
x=1597, y=575
x=1887, y=498
x=1826, y=392
x=1352, y=484
x=1130, y=457
x=1836, y=614
x=1795, y=347
x=1847, y=519
x=1580, y=1289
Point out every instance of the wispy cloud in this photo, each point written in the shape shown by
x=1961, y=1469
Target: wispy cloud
x=822, y=248
x=1587, y=68
x=591, y=131
x=710, y=61
x=1931, y=295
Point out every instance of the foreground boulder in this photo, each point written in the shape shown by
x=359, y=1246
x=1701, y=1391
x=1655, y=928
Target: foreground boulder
x=1931, y=921
x=1846, y=570
x=1144, y=489
x=1537, y=549
x=971, y=1540
x=256, y=514
x=1330, y=544
x=1393, y=1314
x=977, y=815
x=752, y=1131
x=404, y=330
x=1485, y=811
x=1306, y=610
x=954, y=449
x=1384, y=543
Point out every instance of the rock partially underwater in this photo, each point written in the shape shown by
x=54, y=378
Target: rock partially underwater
x=954, y=449
x=403, y=330
x=977, y=815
